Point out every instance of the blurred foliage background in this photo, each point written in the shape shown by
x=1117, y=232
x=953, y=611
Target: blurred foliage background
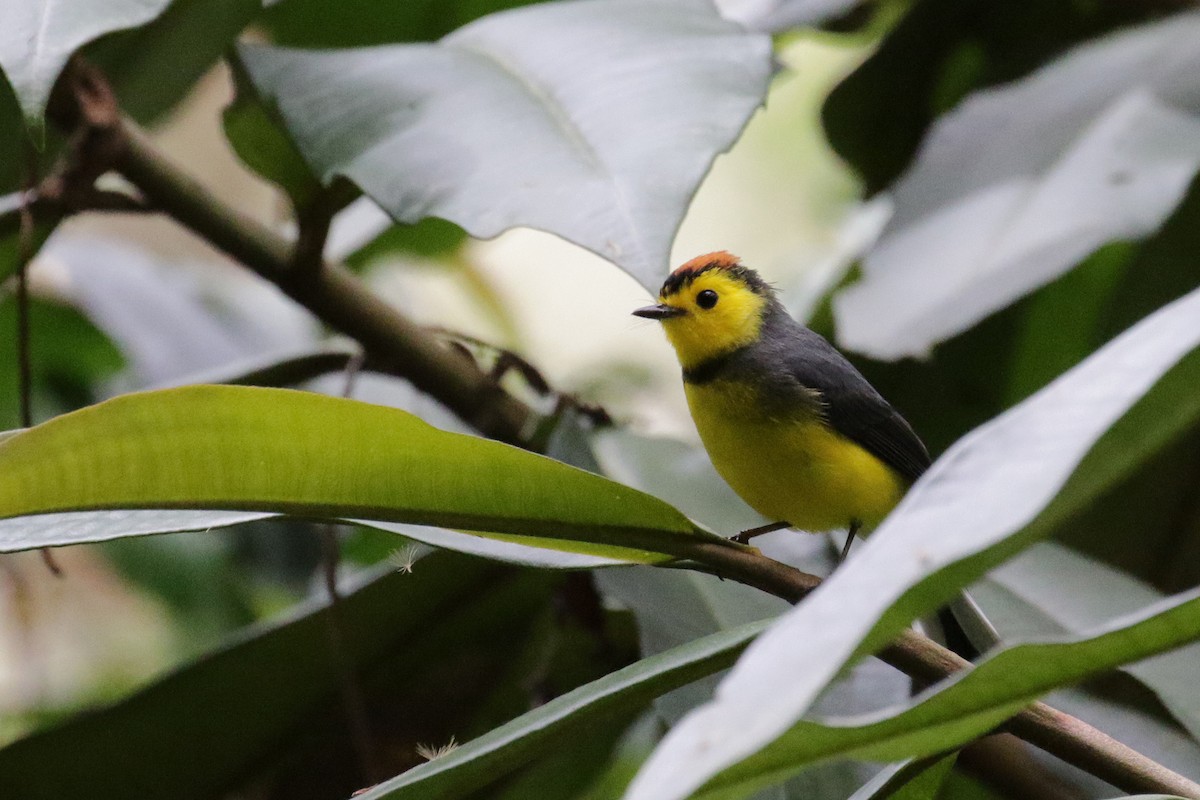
x=968, y=204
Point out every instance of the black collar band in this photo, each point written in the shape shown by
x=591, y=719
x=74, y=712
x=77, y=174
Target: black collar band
x=711, y=369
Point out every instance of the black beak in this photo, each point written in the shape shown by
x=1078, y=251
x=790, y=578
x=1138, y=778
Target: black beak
x=660, y=311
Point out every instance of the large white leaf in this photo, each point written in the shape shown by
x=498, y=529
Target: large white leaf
x=38, y=36
x=965, y=512
x=594, y=120
x=1019, y=183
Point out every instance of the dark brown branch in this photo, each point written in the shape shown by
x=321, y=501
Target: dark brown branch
x=313, y=221
x=1064, y=736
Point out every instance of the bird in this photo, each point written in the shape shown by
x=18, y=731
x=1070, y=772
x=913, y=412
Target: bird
x=788, y=422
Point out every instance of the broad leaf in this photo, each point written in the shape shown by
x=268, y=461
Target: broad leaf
x=1099, y=146
x=518, y=742
x=38, y=36
x=417, y=126
x=246, y=449
x=973, y=508
x=972, y=704
x=939, y=52
x=673, y=607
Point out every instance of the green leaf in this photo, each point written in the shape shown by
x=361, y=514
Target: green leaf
x=278, y=369
x=193, y=734
x=416, y=126
x=1099, y=146
x=1078, y=593
x=258, y=138
x=247, y=449
x=70, y=357
x=918, y=779
x=152, y=68
x=516, y=743
x=983, y=500
x=974, y=702
x=354, y=23
x=429, y=238
x=38, y=36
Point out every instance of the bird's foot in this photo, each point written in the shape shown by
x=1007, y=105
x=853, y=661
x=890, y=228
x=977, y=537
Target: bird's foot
x=745, y=536
x=850, y=534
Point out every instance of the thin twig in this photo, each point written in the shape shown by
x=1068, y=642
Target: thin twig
x=24, y=256
x=353, y=700
x=354, y=704
x=24, y=345
x=313, y=221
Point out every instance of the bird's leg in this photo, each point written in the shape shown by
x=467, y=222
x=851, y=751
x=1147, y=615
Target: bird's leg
x=854, y=526
x=745, y=536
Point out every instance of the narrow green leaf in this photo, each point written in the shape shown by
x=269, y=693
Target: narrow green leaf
x=985, y=498
x=1077, y=593
x=354, y=23
x=278, y=369
x=916, y=779
x=260, y=141
x=976, y=701
x=416, y=125
x=235, y=448
x=516, y=743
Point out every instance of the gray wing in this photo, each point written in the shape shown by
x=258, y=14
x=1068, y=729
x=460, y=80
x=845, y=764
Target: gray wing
x=851, y=405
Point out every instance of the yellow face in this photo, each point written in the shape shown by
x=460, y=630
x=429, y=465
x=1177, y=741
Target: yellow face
x=720, y=313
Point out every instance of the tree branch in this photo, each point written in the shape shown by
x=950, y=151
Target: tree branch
x=400, y=346
x=333, y=294
x=1061, y=735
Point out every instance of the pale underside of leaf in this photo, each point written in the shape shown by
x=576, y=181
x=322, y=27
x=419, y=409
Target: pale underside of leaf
x=1020, y=183
x=978, y=700
x=37, y=38
x=594, y=120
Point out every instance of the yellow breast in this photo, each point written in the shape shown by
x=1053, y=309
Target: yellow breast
x=795, y=469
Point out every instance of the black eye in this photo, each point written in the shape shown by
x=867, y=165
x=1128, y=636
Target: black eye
x=706, y=299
